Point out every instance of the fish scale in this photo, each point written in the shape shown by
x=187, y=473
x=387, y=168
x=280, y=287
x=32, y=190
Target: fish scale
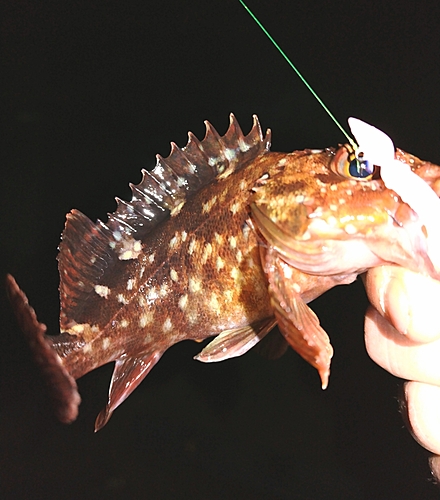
x=222, y=238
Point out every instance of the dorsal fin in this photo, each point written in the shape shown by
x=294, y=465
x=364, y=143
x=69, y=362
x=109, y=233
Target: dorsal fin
x=184, y=172
x=88, y=251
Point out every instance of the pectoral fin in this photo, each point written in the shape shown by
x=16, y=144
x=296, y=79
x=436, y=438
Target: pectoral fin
x=296, y=321
x=235, y=342
x=127, y=375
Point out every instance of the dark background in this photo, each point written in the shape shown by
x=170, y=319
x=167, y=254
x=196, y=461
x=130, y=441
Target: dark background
x=91, y=92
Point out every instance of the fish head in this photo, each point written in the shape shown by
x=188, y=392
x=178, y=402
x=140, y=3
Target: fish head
x=326, y=215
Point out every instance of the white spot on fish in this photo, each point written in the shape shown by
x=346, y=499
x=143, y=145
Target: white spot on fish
x=296, y=287
x=183, y=301
x=105, y=343
x=174, y=242
x=332, y=221
x=243, y=146
x=130, y=249
x=282, y=162
x=220, y=264
x=177, y=209
x=163, y=291
x=145, y=319
x=102, y=291
x=287, y=270
x=124, y=323
x=194, y=285
x=235, y=207
x=152, y=294
x=232, y=241
x=122, y=299
x=206, y=208
x=230, y=154
x=167, y=326
x=235, y=273
x=130, y=284
x=207, y=251
x=79, y=328
x=192, y=245
x=219, y=238
x=173, y=275
x=184, y=235
x=213, y=302
x=192, y=317
x=350, y=229
x=151, y=257
x=87, y=348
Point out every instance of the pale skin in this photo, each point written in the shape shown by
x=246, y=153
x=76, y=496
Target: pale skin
x=402, y=335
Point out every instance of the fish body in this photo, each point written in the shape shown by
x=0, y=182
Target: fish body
x=223, y=238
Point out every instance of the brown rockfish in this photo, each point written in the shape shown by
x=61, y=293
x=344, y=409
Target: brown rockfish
x=222, y=238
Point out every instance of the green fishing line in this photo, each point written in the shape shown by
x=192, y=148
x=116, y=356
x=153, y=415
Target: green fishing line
x=280, y=50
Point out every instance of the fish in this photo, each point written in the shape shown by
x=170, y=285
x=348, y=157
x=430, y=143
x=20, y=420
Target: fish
x=223, y=238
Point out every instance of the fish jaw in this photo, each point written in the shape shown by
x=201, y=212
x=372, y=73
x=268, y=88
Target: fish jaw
x=329, y=226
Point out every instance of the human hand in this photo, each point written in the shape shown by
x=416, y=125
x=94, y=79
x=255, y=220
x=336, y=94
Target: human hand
x=402, y=335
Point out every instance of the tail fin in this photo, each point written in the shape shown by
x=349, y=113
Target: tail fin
x=61, y=385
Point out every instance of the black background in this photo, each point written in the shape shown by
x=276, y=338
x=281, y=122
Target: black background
x=92, y=91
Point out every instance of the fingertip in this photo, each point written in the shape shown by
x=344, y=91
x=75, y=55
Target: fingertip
x=434, y=464
x=407, y=299
x=423, y=406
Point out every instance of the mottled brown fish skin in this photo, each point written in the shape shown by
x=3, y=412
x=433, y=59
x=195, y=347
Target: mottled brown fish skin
x=197, y=275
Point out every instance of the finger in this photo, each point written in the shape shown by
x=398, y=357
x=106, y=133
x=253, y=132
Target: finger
x=398, y=354
x=423, y=407
x=408, y=300
x=434, y=463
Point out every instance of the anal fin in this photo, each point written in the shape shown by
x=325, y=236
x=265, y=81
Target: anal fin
x=235, y=342
x=127, y=375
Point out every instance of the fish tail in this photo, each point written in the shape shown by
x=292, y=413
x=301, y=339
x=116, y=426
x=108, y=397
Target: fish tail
x=62, y=387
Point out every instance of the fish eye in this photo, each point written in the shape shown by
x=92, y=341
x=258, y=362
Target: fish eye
x=352, y=165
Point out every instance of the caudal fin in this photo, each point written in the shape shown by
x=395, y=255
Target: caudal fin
x=62, y=386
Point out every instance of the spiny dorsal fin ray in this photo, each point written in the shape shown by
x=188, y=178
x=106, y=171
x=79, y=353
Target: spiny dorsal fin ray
x=184, y=172
x=88, y=251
